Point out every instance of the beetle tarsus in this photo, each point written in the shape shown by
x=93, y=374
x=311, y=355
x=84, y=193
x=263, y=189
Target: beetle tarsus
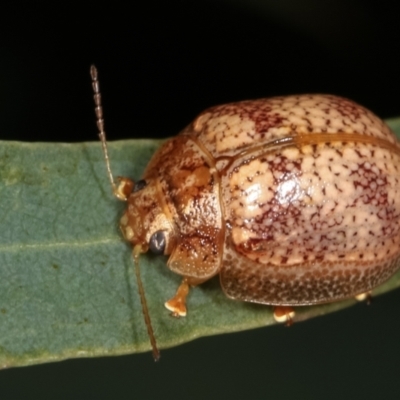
x=177, y=304
x=366, y=296
x=284, y=314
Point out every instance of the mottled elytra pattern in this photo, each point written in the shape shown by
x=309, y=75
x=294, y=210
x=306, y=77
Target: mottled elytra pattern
x=226, y=128
x=318, y=283
x=312, y=219
x=292, y=200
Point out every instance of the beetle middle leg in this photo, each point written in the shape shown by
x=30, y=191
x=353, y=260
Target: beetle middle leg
x=177, y=304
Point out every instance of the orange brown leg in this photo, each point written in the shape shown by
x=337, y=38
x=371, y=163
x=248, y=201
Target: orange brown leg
x=177, y=304
x=367, y=296
x=284, y=314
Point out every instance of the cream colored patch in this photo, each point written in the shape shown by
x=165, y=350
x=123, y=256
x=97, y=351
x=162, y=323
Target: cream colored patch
x=319, y=123
x=279, y=131
x=291, y=153
x=128, y=233
x=349, y=154
x=331, y=192
x=288, y=191
x=327, y=209
x=307, y=164
x=312, y=186
x=230, y=132
x=124, y=220
x=198, y=125
x=250, y=194
x=258, y=171
x=324, y=172
x=307, y=150
x=241, y=235
x=299, y=122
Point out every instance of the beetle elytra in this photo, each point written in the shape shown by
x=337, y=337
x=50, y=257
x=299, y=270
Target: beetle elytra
x=291, y=200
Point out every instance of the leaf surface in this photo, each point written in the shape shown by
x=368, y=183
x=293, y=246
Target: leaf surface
x=67, y=283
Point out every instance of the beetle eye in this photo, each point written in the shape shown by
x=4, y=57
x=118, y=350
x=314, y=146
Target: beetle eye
x=139, y=185
x=157, y=242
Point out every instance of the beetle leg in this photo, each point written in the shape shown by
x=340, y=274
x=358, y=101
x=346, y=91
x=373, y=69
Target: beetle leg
x=367, y=296
x=284, y=314
x=177, y=304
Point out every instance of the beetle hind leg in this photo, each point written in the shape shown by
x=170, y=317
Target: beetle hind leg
x=366, y=296
x=284, y=314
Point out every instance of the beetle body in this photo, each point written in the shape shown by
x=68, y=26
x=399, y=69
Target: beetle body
x=291, y=200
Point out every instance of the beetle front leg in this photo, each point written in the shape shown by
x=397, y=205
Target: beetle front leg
x=177, y=304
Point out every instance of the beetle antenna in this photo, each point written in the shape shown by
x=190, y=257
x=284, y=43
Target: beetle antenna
x=100, y=125
x=156, y=353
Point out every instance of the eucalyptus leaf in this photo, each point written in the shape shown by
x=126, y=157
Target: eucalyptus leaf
x=67, y=283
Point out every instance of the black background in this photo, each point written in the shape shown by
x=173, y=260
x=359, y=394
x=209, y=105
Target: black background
x=160, y=64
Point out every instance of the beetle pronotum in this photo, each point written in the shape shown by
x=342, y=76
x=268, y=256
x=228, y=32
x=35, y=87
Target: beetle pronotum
x=291, y=200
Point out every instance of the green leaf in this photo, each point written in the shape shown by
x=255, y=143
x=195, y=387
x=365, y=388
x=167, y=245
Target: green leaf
x=67, y=283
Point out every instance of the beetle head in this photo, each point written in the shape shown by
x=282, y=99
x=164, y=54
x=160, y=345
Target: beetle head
x=147, y=221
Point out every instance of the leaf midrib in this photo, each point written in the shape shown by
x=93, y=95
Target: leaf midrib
x=27, y=246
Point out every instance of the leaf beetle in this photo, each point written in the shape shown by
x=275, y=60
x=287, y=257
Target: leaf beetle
x=291, y=200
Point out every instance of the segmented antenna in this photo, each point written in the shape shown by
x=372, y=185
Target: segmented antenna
x=121, y=193
x=100, y=125
x=156, y=353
